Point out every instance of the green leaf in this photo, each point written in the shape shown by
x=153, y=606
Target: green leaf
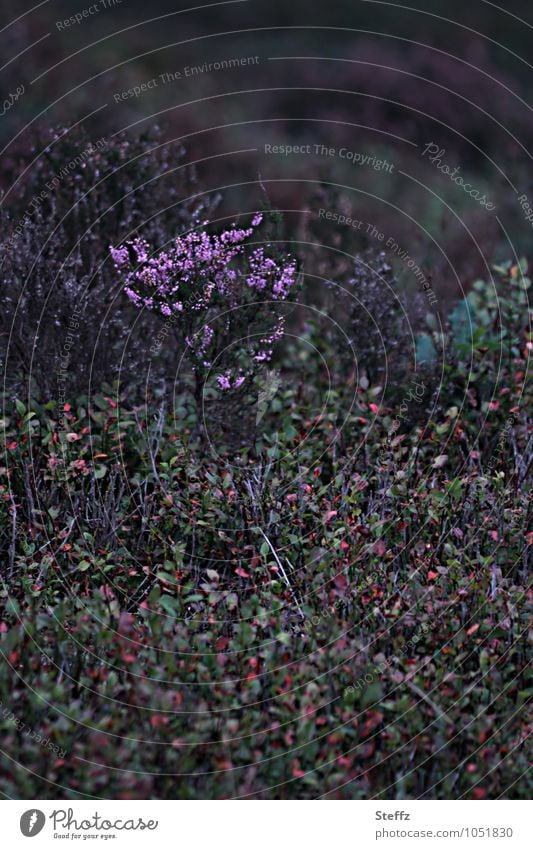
x=164, y=576
x=372, y=694
x=455, y=488
x=169, y=604
x=425, y=350
x=232, y=601
x=155, y=592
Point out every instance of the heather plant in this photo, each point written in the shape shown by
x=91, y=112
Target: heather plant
x=373, y=336
x=58, y=299
x=355, y=602
x=225, y=300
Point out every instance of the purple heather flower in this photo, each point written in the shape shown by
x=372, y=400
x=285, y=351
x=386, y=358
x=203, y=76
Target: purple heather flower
x=120, y=255
x=223, y=381
x=200, y=273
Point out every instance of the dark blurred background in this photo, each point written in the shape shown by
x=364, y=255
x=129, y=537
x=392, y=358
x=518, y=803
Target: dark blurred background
x=379, y=78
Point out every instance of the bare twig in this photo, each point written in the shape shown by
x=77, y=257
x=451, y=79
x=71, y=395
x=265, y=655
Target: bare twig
x=433, y=705
x=283, y=572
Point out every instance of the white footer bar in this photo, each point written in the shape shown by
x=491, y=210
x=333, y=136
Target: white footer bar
x=268, y=824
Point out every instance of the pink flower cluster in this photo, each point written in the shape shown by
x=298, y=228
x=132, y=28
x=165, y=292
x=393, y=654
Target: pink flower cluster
x=229, y=381
x=266, y=275
x=197, y=261
x=201, y=274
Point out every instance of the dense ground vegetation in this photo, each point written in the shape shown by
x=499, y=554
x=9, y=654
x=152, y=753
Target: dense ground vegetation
x=321, y=591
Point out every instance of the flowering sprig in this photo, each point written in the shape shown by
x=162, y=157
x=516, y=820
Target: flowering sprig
x=207, y=283
x=197, y=261
x=229, y=381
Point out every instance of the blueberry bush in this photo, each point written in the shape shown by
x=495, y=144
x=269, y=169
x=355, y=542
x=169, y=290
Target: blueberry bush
x=336, y=603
